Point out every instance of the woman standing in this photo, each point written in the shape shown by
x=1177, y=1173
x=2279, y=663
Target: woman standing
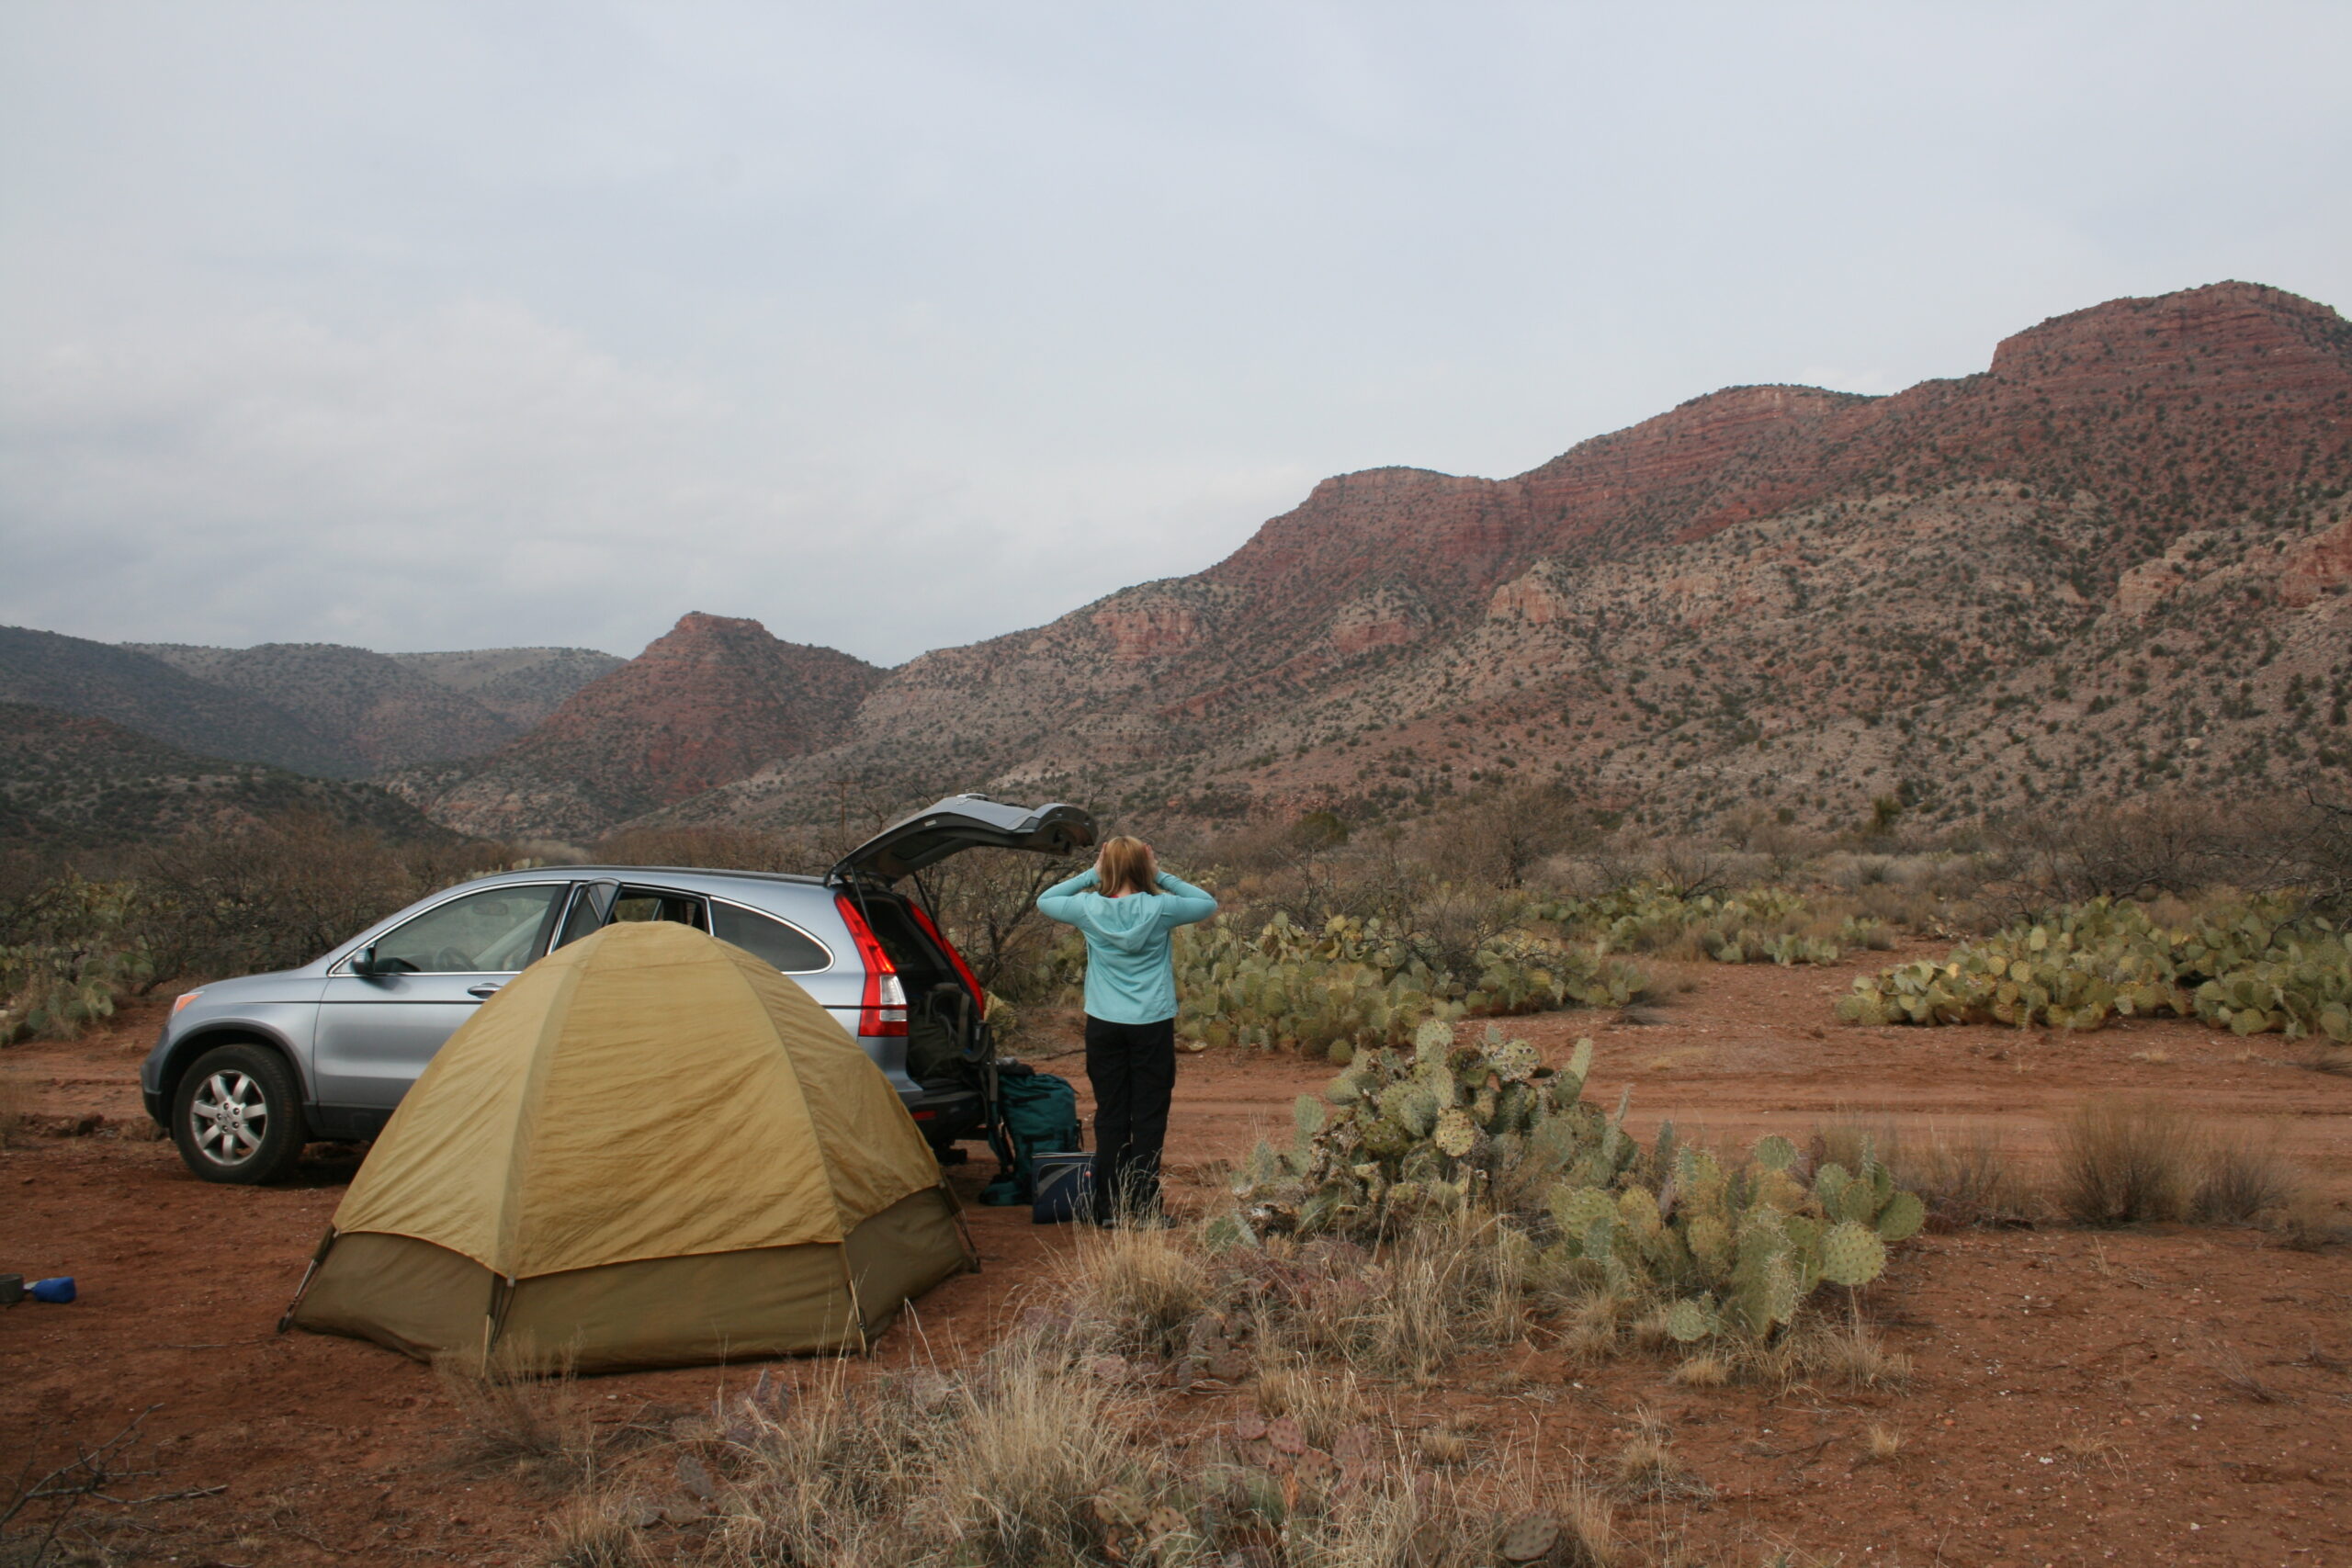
x=1126, y=906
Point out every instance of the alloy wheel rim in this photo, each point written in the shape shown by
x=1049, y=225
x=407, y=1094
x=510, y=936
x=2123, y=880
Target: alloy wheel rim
x=230, y=1116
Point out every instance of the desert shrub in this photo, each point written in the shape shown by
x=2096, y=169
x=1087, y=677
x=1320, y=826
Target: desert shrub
x=276, y=894
x=2174, y=844
x=2251, y=965
x=2242, y=1182
x=2123, y=1161
x=69, y=948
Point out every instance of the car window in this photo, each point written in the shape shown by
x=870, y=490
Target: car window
x=494, y=931
x=764, y=937
x=649, y=904
x=581, y=922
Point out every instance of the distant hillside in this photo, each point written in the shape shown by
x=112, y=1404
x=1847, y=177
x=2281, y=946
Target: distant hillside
x=69, y=782
x=381, y=711
x=2116, y=561
x=156, y=699
x=522, y=685
x=712, y=700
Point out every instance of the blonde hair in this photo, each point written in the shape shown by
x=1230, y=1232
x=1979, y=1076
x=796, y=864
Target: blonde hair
x=1127, y=865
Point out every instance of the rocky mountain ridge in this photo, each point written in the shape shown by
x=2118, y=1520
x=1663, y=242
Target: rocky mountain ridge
x=1765, y=572
x=707, y=702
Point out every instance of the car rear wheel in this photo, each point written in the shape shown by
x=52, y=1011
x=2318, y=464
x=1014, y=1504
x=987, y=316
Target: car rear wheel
x=237, y=1116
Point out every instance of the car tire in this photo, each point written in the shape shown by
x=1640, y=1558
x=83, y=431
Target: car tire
x=237, y=1116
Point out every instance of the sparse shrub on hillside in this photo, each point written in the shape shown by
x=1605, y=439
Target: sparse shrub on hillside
x=276, y=895
x=2251, y=966
x=220, y=902
x=732, y=848
x=986, y=902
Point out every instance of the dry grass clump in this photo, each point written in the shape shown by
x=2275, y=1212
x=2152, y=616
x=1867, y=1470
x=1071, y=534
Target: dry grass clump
x=518, y=1420
x=1705, y=1371
x=2244, y=1181
x=594, y=1532
x=1644, y=1468
x=1139, y=1284
x=1966, y=1179
x=2124, y=1161
x=1027, y=1459
x=1324, y=1402
x=1881, y=1443
x=1815, y=1349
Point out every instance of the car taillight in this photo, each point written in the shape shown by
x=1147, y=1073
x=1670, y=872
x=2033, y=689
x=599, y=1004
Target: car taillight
x=883, y=1010
x=964, y=970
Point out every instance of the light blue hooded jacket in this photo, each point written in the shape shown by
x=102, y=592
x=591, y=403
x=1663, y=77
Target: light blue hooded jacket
x=1130, y=970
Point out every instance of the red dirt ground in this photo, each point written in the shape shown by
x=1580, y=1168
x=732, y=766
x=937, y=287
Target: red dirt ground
x=2162, y=1395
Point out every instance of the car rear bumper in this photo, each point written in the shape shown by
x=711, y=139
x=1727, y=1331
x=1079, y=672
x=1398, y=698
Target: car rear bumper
x=946, y=1116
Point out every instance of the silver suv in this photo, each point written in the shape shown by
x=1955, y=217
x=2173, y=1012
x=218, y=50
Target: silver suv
x=249, y=1070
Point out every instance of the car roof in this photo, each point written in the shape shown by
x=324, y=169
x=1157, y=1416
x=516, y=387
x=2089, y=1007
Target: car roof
x=642, y=872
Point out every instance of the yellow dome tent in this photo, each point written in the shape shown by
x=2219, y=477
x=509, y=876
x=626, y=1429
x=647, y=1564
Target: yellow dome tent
x=649, y=1149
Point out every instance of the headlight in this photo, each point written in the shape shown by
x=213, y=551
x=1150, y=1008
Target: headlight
x=180, y=1002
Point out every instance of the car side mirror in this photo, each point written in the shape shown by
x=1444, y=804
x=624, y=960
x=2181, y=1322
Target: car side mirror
x=363, y=963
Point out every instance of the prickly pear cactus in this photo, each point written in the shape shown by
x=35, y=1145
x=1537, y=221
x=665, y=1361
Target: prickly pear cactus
x=1729, y=1248
x=2259, y=965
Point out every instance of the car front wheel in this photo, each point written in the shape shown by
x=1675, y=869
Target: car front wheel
x=237, y=1116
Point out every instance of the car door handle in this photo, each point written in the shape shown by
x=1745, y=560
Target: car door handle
x=485, y=989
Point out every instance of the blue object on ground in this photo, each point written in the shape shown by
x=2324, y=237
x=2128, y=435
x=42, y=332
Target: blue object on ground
x=58, y=1290
x=1065, y=1187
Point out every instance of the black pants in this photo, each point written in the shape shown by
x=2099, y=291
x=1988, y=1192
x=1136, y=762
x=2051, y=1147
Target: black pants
x=1133, y=1069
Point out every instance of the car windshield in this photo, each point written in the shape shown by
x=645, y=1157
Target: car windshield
x=493, y=931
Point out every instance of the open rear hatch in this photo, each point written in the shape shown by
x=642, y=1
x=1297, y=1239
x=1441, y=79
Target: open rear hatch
x=964, y=822
x=919, y=974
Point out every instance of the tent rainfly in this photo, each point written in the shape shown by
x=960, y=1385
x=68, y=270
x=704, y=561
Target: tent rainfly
x=648, y=1149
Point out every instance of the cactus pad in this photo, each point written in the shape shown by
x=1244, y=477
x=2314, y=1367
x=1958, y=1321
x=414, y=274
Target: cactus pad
x=1529, y=1539
x=1455, y=1135
x=1516, y=1061
x=1902, y=1217
x=1688, y=1321
x=1775, y=1153
x=1851, y=1253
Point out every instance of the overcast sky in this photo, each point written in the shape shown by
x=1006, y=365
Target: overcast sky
x=422, y=325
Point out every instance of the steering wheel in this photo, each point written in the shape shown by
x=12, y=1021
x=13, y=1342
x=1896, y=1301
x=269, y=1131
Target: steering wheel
x=449, y=961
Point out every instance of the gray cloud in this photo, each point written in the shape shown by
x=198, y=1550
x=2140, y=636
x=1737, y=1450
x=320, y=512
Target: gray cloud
x=894, y=326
